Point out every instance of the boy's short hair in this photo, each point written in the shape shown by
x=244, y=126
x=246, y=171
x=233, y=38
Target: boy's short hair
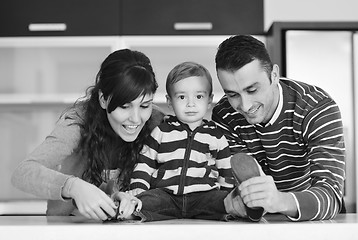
x=185, y=70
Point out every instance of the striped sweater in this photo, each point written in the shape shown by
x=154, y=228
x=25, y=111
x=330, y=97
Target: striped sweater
x=184, y=161
x=303, y=150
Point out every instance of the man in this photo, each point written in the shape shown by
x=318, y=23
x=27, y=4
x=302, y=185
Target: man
x=292, y=129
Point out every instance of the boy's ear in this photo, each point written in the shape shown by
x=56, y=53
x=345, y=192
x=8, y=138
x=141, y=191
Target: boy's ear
x=211, y=97
x=101, y=100
x=169, y=102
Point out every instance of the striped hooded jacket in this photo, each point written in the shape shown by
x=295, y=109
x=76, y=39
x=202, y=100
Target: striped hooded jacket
x=184, y=161
x=303, y=150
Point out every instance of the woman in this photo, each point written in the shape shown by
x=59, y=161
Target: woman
x=90, y=155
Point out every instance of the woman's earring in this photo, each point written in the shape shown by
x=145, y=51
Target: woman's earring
x=102, y=102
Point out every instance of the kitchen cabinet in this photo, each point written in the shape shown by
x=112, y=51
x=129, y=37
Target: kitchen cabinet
x=192, y=17
x=40, y=77
x=59, y=18
x=324, y=54
x=130, y=17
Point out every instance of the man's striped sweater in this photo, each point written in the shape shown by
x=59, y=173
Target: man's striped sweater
x=184, y=161
x=303, y=150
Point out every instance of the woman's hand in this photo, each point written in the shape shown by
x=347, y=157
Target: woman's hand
x=91, y=201
x=127, y=204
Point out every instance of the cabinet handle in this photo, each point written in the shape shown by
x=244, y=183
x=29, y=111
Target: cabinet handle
x=38, y=27
x=180, y=26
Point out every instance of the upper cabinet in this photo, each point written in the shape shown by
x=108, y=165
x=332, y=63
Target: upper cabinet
x=192, y=17
x=130, y=17
x=59, y=18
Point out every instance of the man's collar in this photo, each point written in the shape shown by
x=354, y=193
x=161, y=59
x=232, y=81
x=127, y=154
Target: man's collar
x=279, y=106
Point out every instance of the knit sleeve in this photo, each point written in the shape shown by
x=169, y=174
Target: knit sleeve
x=323, y=134
x=40, y=173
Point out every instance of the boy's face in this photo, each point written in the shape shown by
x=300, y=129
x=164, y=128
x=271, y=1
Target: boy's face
x=251, y=92
x=190, y=100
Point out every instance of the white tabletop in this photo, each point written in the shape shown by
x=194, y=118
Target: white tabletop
x=344, y=226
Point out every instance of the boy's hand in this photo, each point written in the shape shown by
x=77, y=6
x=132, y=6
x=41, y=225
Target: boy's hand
x=234, y=204
x=135, y=192
x=127, y=204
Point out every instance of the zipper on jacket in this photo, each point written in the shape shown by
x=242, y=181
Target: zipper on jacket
x=186, y=162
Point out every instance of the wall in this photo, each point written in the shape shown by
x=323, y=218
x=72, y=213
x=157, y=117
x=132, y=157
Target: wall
x=309, y=10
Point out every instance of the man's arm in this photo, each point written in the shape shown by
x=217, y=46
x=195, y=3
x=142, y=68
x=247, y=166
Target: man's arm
x=323, y=133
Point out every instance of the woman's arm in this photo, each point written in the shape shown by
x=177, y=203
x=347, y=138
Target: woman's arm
x=49, y=172
x=44, y=172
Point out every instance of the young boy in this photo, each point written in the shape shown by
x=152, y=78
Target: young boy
x=186, y=163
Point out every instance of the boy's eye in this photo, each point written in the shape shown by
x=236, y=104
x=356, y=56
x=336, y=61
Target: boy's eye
x=124, y=106
x=199, y=96
x=181, y=97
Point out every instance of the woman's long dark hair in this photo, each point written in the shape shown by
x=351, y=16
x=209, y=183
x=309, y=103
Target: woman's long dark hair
x=124, y=76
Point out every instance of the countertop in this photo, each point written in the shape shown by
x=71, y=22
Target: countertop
x=272, y=226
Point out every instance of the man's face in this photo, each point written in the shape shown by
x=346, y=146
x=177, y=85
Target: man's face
x=250, y=91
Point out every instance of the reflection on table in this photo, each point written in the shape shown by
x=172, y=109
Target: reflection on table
x=272, y=226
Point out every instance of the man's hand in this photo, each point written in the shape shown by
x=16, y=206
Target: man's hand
x=262, y=192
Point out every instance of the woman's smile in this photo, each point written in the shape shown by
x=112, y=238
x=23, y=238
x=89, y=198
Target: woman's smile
x=131, y=128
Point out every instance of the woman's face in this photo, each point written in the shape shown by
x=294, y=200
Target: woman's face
x=128, y=120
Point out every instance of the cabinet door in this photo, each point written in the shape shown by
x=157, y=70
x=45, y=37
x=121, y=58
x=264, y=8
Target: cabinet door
x=40, y=77
x=59, y=18
x=192, y=17
x=55, y=67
